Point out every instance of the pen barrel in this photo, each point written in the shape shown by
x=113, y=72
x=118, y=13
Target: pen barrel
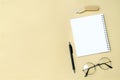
x=72, y=61
x=71, y=56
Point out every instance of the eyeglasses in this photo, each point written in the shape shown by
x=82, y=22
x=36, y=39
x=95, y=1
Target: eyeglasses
x=104, y=63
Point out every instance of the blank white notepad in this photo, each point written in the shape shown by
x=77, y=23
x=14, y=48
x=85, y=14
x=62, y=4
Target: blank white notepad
x=90, y=35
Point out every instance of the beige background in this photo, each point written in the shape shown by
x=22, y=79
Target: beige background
x=34, y=36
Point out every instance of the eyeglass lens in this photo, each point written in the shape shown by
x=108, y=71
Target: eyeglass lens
x=105, y=63
x=89, y=68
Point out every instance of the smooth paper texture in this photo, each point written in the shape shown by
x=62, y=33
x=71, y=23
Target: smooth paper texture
x=90, y=35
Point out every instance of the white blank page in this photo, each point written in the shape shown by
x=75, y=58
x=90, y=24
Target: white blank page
x=90, y=36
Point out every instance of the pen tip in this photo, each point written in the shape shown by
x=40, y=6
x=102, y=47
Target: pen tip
x=74, y=71
x=69, y=42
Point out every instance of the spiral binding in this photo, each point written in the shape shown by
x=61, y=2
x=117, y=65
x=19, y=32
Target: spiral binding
x=105, y=31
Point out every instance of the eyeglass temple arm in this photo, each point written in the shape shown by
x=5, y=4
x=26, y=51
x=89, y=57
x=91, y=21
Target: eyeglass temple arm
x=108, y=65
x=87, y=72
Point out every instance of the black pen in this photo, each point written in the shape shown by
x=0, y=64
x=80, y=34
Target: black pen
x=71, y=55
